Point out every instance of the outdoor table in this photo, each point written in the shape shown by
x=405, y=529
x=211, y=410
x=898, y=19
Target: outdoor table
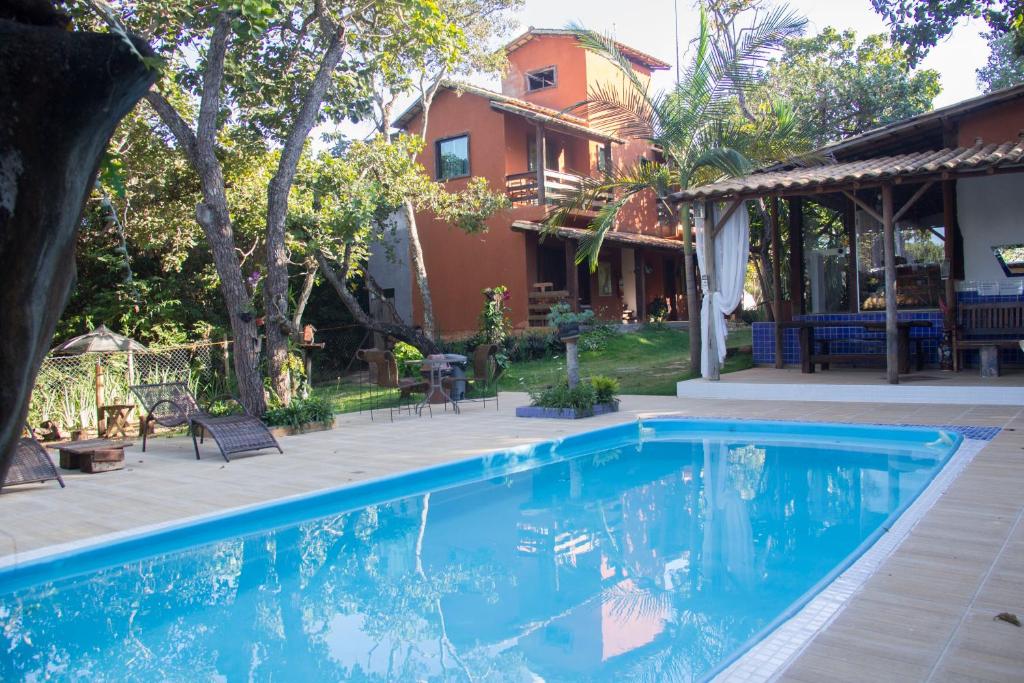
x=115, y=418
x=809, y=357
x=436, y=369
x=92, y=456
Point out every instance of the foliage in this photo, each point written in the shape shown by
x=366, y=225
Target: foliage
x=839, y=87
x=495, y=323
x=919, y=25
x=300, y=412
x=657, y=311
x=606, y=388
x=582, y=397
x=689, y=123
x=649, y=361
x=1004, y=67
x=561, y=313
x=405, y=353
x=530, y=346
x=597, y=336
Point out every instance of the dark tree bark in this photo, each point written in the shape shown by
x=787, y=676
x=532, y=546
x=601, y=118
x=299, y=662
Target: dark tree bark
x=213, y=216
x=62, y=95
x=276, y=286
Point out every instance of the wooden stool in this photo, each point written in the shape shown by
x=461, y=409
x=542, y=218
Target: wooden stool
x=93, y=456
x=116, y=419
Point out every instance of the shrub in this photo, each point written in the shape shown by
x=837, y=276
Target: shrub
x=597, y=337
x=562, y=314
x=300, y=412
x=582, y=398
x=530, y=346
x=657, y=311
x=406, y=352
x=495, y=324
x=606, y=388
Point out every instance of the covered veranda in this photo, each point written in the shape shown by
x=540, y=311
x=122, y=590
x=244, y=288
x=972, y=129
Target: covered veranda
x=888, y=197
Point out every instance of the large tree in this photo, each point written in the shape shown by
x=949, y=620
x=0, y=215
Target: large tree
x=62, y=94
x=1004, y=67
x=840, y=87
x=276, y=70
x=919, y=25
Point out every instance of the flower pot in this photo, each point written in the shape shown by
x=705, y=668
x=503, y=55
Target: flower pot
x=568, y=330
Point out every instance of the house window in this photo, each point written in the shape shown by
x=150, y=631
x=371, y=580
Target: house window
x=453, y=158
x=552, y=150
x=604, y=158
x=604, y=278
x=540, y=79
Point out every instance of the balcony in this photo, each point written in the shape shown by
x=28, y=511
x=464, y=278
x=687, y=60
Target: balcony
x=522, y=188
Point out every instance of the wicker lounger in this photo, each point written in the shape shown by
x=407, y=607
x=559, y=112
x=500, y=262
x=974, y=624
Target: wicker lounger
x=31, y=464
x=171, y=405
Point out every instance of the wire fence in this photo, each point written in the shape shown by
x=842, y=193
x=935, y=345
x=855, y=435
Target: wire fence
x=66, y=386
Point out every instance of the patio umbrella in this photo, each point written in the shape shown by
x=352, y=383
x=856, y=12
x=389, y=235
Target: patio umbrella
x=101, y=341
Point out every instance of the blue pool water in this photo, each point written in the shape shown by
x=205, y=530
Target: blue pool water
x=654, y=551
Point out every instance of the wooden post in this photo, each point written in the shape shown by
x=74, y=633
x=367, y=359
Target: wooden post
x=953, y=253
x=889, y=247
x=641, y=286
x=777, y=280
x=850, y=224
x=710, y=280
x=542, y=154
x=99, y=397
x=796, y=255
x=690, y=277
x=572, y=274
x=225, y=349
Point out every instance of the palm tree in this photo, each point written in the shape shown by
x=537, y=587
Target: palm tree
x=694, y=125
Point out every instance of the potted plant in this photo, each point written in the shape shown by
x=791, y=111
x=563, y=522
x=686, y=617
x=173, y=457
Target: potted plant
x=597, y=396
x=568, y=322
x=300, y=416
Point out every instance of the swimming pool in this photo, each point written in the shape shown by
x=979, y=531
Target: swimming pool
x=657, y=550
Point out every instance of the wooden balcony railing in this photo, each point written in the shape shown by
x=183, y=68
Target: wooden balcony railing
x=522, y=188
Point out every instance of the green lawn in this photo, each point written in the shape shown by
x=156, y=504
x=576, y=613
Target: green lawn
x=650, y=361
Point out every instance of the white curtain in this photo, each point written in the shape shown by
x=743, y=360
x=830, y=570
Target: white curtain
x=732, y=247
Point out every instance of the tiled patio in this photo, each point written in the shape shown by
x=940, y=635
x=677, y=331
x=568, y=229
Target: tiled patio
x=926, y=615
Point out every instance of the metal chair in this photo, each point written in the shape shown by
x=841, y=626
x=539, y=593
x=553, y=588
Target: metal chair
x=171, y=404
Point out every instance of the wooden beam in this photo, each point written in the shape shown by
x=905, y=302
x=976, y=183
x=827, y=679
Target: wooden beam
x=889, y=247
x=641, y=285
x=953, y=252
x=864, y=207
x=796, y=255
x=726, y=216
x=773, y=215
x=572, y=274
x=850, y=226
x=709, y=281
x=913, y=200
x=542, y=155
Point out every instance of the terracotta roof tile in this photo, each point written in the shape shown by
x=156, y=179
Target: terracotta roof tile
x=960, y=159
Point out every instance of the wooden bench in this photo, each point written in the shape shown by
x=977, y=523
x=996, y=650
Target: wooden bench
x=92, y=456
x=816, y=351
x=988, y=328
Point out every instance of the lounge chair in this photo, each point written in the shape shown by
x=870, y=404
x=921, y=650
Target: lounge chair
x=171, y=405
x=31, y=464
x=383, y=373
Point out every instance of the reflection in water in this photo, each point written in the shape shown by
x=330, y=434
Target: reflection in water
x=612, y=566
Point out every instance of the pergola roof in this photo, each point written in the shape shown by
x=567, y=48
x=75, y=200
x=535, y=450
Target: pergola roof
x=938, y=164
x=630, y=239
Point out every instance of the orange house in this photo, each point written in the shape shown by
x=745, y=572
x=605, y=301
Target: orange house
x=524, y=143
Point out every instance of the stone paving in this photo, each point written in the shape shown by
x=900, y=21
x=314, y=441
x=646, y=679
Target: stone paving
x=927, y=614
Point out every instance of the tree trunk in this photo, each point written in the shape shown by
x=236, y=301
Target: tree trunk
x=420, y=269
x=62, y=94
x=199, y=147
x=690, y=271
x=409, y=335
x=275, y=288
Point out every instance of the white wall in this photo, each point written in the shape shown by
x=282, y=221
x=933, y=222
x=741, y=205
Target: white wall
x=629, y=278
x=991, y=212
x=389, y=264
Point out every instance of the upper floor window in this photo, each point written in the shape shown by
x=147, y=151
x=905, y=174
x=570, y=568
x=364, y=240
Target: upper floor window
x=540, y=79
x=453, y=157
